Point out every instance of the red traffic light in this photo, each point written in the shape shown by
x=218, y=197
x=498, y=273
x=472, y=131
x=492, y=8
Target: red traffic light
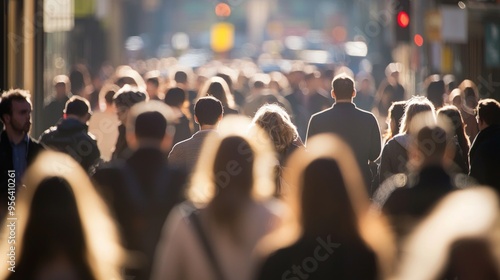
x=222, y=10
x=403, y=19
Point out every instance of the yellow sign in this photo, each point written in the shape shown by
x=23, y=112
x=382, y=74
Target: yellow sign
x=222, y=37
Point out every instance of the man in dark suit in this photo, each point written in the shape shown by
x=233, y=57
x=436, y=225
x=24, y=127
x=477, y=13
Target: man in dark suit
x=208, y=113
x=357, y=127
x=17, y=148
x=485, y=150
x=142, y=189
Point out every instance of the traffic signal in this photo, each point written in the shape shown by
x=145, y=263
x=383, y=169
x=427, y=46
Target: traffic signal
x=402, y=20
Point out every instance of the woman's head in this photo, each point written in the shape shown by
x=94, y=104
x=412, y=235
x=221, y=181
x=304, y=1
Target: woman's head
x=276, y=122
x=415, y=106
x=218, y=88
x=395, y=114
x=60, y=214
x=233, y=157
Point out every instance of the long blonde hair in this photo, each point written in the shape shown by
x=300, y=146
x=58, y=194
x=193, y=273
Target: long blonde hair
x=371, y=226
x=276, y=122
x=103, y=252
x=235, y=166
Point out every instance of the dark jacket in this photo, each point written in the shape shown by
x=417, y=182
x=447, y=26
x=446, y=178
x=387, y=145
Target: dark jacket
x=321, y=258
x=141, y=191
x=7, y=164
x=409, y=204
x=182, y=130
x=121, y=148
x=356, y=127
x=53, y=112
x=72, y=137
x=394, y=157
x=485, y=157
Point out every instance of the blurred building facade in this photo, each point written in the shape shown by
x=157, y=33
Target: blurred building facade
x=44, y=38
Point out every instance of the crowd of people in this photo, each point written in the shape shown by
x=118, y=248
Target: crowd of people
x=231, y=173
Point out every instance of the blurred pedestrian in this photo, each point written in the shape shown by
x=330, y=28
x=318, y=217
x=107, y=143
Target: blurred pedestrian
x=329, y=215
x=357, y=127
x=208, y=113
x=142, y=189
x=485, y=150
x=394, y=156
x=71, y=135
x=124, y=99
x=232, y=180
x=54, y=105
x=104, y=123
x=469, y=94
x=460, y=138
x=175, y=98
x=275, y=121
x=17, y=148
x=63, y=229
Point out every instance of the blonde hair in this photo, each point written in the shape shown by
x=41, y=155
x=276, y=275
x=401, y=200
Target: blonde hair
x=276, y=122
x=226, y=97
x=104, y=254
x=372, y=227
x=414, y=106
x=202, y=187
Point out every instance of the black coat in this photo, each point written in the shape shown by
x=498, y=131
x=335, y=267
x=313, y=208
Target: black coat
x=72, y=137
x=485, y=157
x=356, y=127
x=7, y=164
x=321, y=258
x=141, y=191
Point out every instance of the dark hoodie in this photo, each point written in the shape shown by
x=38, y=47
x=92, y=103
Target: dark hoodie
x=72, y=137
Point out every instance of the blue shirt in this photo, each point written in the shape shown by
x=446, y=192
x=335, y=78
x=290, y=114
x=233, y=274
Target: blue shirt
x=20, y=156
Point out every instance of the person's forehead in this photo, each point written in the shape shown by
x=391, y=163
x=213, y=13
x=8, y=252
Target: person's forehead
x=20, y=104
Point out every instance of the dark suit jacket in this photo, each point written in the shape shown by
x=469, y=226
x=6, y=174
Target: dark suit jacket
x=185, y=154
x=485, y=157
x=7, y=164
x=141, y=220
x=356, y=127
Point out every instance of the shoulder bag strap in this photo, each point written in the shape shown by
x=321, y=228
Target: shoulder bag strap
x=195, y=221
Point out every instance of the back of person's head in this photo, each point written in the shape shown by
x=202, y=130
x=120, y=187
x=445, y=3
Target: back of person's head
x=234, y=170
x=431, y=141
x=208, y=110
x=453, y=114
x=218, y=88
x=276, y=122
x=125, y=75
x=58, y=211
x=323, y=187
x=470, y=94
x=175, y=97
x=63, y=81
x=128, y=96
x=436, y=90
x=79, y=78
x=7, y=97
x=488, y=111
x=153, y=78
x=150, y=123
x=326, y=196
x=343, y=87
x=77, y=106
x=226, y=78
x=181, y=77
x=395, y=114
x=54, y=229
x=414, y=106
